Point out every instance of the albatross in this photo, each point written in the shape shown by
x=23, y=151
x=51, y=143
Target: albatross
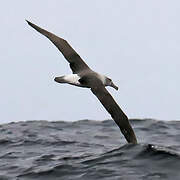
x=83, y=76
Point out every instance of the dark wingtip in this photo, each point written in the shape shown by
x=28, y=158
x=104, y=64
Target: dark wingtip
x=28, y=22
x=37, y=28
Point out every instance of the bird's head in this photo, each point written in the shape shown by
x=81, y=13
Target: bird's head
x=109, y=82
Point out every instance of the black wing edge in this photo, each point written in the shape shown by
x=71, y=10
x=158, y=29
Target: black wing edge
x=116, y=113
x=76, y=63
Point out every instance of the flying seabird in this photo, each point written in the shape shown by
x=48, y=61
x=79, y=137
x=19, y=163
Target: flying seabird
x=83, y=76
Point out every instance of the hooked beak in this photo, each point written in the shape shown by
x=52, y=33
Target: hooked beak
x=114, y=86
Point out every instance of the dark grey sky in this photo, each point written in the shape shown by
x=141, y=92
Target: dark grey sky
x=136, y=43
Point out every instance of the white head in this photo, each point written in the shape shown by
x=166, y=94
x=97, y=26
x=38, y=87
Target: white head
x=109, y=82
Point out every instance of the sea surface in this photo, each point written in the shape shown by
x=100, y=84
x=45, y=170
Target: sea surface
x=89, y=150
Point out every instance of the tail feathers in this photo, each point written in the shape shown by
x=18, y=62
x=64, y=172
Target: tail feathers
x=60, y=79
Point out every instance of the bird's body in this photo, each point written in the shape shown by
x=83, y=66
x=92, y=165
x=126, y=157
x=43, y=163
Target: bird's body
x=83, y=76
x=76, y=79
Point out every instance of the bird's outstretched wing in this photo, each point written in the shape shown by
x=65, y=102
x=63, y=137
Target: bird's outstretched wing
x=115, y=111
x=76, y=63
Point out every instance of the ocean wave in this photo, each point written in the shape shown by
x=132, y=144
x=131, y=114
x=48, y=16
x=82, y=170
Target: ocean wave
x=88, y=149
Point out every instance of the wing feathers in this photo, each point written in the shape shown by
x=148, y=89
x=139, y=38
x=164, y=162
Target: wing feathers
x=116, y=113
x=76, y=63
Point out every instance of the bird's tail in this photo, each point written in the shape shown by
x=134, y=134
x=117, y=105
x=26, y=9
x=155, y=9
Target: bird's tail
x=60, y=79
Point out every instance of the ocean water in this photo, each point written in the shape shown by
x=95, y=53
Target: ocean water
x=89, y=150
